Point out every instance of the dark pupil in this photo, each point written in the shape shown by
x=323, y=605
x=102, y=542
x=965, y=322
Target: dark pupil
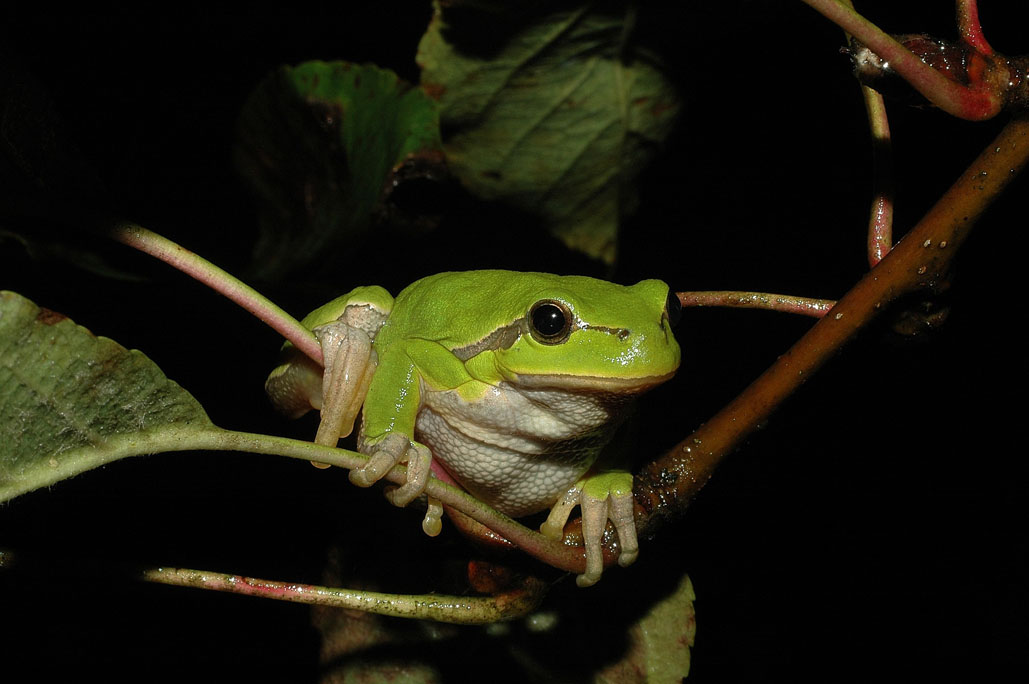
x=549, y=320
x=674, y=308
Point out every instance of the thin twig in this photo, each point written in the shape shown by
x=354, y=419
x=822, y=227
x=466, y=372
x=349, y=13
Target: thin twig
x=521, y=599
x=468, y=610
x=805, y=306
x=880, y=221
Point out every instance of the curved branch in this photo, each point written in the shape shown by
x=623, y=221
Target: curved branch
x=220, y=281
x=919, y=262
x=969, y=27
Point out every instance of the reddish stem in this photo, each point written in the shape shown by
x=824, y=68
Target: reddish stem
x=973, y=103
x=507, y=602
x=222, y=282
x=969, y=27
x=805, y=306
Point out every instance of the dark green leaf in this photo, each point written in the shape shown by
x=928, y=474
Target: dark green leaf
x=552, y=108
x=319, y=142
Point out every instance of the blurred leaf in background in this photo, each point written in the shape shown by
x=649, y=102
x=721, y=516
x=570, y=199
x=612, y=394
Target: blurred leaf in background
x=321, y=145
x=552, y=108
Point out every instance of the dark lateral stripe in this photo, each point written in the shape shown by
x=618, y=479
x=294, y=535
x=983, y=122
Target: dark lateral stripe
x=501, y=338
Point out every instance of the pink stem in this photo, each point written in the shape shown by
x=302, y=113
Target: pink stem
x=880, y=224
x=515, y=602
x=948, y=95
x=806, y=306
x=970, y=28
x=222, y=282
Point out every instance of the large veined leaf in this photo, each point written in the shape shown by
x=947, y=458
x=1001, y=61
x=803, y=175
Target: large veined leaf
x=550, y=107
x=71, y=401
x=318, y=144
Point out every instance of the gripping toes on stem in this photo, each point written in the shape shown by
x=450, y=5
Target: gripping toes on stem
x=396, y=448
x=419, y=462
x=383, y=456
x=602, y=497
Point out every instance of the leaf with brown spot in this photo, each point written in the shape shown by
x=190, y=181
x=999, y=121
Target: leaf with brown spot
x=71, y=401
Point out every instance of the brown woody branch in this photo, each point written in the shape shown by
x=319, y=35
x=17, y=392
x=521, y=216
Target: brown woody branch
x=920, y=262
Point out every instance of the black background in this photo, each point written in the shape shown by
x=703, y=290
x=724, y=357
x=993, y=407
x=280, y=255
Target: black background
x=875, y=526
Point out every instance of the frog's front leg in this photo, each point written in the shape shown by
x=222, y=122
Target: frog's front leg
x=601, y=497
x=390, y=412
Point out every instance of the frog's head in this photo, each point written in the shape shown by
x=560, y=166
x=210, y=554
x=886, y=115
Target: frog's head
x=584, y=334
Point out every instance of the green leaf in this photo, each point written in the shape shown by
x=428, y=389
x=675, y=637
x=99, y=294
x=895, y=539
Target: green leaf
x=71, y=401
x=320, y=143
x=556, y=112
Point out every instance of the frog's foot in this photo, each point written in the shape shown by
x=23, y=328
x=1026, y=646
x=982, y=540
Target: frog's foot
x=393, y=449
x=349, y=367
x=602, y=497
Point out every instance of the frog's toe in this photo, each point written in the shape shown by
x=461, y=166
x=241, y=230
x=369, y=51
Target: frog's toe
x=620, y=513
x=604, y=497
x=387, y=454
x=419, y=462
x=554, y=526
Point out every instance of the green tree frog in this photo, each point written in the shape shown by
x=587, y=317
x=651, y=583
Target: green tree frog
x=511, y=382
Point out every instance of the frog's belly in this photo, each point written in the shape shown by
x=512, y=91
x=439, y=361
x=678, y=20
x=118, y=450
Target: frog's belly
x=517, y=449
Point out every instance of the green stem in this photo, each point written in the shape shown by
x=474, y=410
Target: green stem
x=220, y=281
x=554, y=553
x=516, y=602
x=467, y=610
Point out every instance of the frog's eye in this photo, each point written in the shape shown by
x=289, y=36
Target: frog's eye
x=673, y=309
x=550, y=321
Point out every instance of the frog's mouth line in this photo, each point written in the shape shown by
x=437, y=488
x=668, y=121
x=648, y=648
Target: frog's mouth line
x=590, y=383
